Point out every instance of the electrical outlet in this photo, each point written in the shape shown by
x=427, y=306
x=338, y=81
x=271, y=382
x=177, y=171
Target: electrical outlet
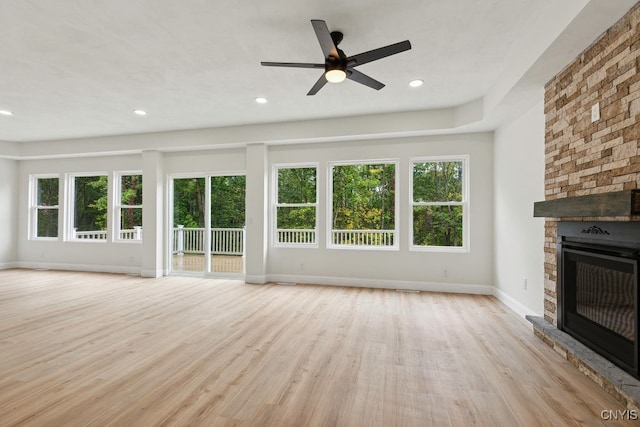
x=445, y=272
x=301, y=266
x=524, y=283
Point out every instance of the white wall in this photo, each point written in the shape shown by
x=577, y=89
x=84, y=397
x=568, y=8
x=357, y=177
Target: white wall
x=519, y=238
x=8, y=212
x=466, y=272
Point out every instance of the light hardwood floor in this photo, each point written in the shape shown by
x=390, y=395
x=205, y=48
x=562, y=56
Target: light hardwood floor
x=84, y=349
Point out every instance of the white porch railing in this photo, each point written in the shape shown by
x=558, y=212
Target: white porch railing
x=296, y=236
x=363, y=237
x=230, y=241
x=90, y=235
x=134, y=234
x=224, y=241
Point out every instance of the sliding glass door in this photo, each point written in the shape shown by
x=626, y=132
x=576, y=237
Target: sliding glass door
x=207, y=233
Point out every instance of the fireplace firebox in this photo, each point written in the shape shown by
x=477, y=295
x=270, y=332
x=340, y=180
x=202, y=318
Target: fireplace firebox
x=598, y=295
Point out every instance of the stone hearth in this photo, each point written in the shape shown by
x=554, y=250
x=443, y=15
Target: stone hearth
x=622, y=386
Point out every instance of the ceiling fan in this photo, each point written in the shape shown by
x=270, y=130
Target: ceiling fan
x=337, y=66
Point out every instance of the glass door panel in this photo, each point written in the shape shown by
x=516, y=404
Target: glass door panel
x=227, y=223
x=188, y=227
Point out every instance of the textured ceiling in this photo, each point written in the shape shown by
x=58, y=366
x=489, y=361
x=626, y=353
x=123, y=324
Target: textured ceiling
x=73, y=69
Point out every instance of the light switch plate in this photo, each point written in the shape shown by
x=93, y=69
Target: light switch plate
x=595, y=112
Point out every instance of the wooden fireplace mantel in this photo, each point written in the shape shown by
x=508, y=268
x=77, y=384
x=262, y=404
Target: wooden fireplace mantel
x=620, y=203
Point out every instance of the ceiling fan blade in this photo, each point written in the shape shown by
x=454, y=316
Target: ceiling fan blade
x=291, y=64
x=361, y=78
x=319, y=84
x=372, y=55
x=324, y=37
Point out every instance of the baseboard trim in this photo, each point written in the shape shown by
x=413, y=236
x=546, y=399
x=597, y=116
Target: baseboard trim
x=8, y=265
x=255, y=279
x=513, y=304
x=152, y=273
x=461, y=288
x=79, y=267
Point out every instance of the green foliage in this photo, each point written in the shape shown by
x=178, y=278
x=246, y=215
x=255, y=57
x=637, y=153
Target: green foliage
x=47, y=223
x=364, y=197
x=48, y=191
x=188, y=202
x=299, y=217
x=439, y=224
x=437, y=182
x=296, y=186
x=130, y=195
x=91, y=203
x=131, y=190
x=228, y=201
x=47, y=219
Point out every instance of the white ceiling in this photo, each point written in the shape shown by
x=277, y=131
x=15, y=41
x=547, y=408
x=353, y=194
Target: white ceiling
x=76, y=69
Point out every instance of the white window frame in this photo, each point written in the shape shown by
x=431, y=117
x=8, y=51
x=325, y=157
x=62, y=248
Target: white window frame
x=465, y=248
x=275, y=204
x=35, y=207
x=70, y=183
x=118, y=206
x=396, y=231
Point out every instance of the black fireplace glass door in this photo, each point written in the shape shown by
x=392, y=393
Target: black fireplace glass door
x=600, y=301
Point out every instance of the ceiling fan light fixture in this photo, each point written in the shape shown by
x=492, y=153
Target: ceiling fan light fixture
x=335, y=75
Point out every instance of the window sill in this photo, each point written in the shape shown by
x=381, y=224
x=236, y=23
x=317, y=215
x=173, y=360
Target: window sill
x=440, y=249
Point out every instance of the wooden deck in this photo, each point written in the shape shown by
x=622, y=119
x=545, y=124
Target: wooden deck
x=219, y=263
x=88, y=349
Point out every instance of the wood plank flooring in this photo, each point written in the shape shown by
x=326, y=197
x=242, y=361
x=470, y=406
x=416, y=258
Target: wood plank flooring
x=86, y=349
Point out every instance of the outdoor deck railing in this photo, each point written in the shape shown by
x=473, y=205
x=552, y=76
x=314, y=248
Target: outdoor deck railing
x=363, y=237
x=231, y=241
x=224, y=241
x=296, y=236
x=133, y=234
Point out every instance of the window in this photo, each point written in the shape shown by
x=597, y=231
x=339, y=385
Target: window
x=129, y=207
x=364, y=205
x=439, y=203
x=44, y=218
x=295, y=204
x=89, y=207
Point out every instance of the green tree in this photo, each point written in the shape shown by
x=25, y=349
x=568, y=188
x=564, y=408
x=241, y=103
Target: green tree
x=364, y=197
x=91, y=203
x=47, y=219
x=228, y=201
x=131, y=195
x=188, y=202
x=439, y=223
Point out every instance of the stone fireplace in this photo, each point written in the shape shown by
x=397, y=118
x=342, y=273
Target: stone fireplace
x=592, y=168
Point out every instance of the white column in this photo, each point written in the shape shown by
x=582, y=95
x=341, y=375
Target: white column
x=256, y=234
x=152, y=215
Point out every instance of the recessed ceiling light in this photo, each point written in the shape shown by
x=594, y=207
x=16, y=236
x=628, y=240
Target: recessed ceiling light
x=416, y=83
x=261, y=100
x=6, y=113
x=140, y=112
